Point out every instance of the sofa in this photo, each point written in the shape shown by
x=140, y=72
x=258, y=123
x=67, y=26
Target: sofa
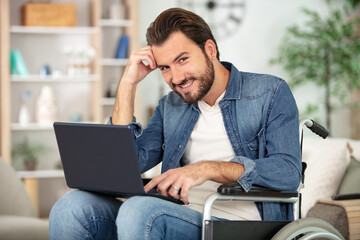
x=18, y=218
x=333, y=169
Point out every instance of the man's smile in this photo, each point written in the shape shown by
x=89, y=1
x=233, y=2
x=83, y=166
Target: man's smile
x=188, y=83
x=185, y=86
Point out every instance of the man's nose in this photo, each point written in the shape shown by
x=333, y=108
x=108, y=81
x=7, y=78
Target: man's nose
x=177, y=76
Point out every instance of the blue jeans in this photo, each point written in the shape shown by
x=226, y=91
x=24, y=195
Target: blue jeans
x=85, y=215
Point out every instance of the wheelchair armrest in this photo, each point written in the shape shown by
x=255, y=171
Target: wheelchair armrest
x=234, y=192
x=349, y=196
x=234, y=189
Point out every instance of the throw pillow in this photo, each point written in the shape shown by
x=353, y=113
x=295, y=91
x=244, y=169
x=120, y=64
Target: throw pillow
x=351, y=180
x=327, y=160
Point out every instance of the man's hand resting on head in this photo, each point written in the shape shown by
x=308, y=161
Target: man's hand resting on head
x=177, y=182
x=135, y=71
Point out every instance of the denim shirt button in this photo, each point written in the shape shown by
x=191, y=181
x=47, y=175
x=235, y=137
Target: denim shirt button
x=180, y=146
x=236, y=144
x=246, y=185
x=194, y=119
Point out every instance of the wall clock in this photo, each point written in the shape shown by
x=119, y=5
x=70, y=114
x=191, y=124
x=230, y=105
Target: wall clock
x=223, y=16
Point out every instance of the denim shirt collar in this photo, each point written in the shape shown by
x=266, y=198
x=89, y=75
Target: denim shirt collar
x=233, y=90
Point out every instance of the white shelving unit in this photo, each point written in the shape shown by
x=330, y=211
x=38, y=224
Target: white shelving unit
x=112, y=68
x=116, y=23
x=108, y=101
x=44, y=45
x=41, y=174
x=114, y=62
x=54, y=30
x=53, y=79
x=31, y=127
x=40, y=46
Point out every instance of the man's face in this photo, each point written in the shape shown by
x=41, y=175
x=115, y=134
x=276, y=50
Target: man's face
x=185, y=67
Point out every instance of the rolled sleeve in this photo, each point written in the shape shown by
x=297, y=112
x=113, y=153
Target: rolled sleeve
x=134, y=126
x=246, y=180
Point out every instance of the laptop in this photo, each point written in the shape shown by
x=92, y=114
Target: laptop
x=101, y=158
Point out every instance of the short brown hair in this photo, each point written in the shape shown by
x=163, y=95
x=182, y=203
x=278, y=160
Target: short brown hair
x=180, y=20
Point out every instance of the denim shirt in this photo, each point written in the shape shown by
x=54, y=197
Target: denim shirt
x=261, y=120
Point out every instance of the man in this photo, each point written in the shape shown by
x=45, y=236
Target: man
x=218, y=125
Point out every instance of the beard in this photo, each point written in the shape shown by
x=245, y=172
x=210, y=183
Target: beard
x=206, y=81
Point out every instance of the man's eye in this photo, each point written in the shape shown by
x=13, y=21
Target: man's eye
x=182, y=59
x=163, y=68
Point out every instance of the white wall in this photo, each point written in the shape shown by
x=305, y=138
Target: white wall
x=255, y=42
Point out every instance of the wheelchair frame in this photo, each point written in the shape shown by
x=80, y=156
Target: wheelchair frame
x=306, y=228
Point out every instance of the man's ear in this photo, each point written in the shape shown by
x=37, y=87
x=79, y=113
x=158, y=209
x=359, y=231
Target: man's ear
x=210, y=49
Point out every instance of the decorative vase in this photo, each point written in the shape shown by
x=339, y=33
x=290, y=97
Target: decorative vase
x=24, y=115
x=117, y=10
x=46, y=109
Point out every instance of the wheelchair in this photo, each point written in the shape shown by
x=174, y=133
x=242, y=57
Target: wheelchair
x=303, y=229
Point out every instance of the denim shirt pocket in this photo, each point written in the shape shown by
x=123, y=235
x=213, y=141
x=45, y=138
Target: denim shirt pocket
x=253, y=144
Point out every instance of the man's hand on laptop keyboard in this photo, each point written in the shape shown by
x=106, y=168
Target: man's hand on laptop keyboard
x=177, y=182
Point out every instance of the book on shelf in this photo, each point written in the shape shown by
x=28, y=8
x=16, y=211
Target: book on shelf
x=17, y=64
x=122, y=47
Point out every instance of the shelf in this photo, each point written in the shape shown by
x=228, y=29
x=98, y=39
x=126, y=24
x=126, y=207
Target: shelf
x=89, y=32
x=113, y=62
x=51, y=79
x=41, y=174
x=108, y=101
x=54, y=30
x=31, y=127
x=115, y=22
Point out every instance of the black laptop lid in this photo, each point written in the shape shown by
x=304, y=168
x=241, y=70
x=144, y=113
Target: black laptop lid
x=99, y=158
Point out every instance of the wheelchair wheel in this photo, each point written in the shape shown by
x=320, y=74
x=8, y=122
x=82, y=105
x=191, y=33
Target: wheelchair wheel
x=308, y=228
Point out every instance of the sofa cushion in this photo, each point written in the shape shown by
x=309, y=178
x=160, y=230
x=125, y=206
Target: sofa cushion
x=333, y=214
x=24, y=228
x=327, y=160
x=13, y=198
x=351, y=179
x=355, y=148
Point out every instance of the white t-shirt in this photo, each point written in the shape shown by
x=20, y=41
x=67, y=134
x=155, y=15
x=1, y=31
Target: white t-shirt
x=210, y=142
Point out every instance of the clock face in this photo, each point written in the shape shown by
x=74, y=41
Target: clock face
x=223, y=16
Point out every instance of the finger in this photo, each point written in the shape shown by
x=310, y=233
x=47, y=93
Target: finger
x=150, y=53
x=152, y=63
x=145, y=59
x=148, y=62
x=153, y=183
x=184, y=195
x=167, y=181
x=175, y=189
x=164, y=188
x=146, y=54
